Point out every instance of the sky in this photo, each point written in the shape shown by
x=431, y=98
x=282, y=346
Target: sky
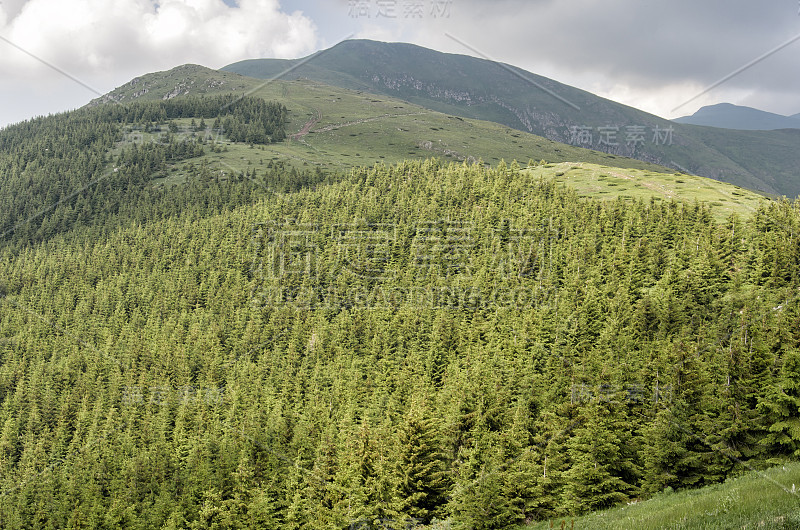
x=668, y=57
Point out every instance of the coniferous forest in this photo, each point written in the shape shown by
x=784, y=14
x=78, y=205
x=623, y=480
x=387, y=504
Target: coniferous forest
x=390, y=346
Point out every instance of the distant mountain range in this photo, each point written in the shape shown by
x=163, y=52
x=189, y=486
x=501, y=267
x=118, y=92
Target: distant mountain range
x=469, y=87
x=729, y=116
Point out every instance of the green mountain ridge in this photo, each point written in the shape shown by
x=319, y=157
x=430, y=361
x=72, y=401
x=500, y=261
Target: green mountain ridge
x=728, y=116
x=275, y=311
x=476, y=88
x=230, y=303
x=335, y=129
x=180, y=81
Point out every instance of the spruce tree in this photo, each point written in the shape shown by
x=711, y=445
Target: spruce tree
x=419, y=468
x=782, y=408
x=597, y=463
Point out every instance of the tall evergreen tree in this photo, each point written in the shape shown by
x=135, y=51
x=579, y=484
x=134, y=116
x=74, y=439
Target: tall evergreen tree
x=420, y=468
x=782, y=407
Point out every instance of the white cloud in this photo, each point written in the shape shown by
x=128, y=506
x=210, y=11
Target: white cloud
x=106, y=42
x=86, y=35
x=653, y=55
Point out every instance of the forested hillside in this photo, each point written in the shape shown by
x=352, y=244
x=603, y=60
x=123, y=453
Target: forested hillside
x=396, y=344
x=471, y=87
x=73, y=171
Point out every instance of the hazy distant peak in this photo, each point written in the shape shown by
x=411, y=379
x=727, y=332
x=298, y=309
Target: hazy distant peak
x=730, y=116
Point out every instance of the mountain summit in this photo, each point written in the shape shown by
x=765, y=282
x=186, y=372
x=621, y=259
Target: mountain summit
x=729, y=116
x=470, y=87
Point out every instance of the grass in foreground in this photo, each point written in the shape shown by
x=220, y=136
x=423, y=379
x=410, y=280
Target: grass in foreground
x=758, y=500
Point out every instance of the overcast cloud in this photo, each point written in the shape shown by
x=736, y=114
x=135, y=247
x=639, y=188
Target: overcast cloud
x=652, y=54
x=104, y=43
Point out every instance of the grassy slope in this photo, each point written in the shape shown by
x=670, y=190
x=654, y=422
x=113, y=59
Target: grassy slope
x=357, y=128
x=601, y=182
x=756, y=500
x=479, y=89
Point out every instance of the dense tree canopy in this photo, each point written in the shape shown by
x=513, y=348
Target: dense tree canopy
x=403, y=343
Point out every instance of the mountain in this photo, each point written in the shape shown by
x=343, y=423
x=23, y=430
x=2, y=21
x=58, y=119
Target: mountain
x=728, y=116
x=226, y=303
x=476, y=88
x=181, y=81
x=276, y=349
x=338, y=128
x=335, y=129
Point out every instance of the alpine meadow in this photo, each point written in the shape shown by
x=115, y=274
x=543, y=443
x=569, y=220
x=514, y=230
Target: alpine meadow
x=387, y=289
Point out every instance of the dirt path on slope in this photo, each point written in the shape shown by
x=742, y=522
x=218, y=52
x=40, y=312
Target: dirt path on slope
x=649, y=185
x=367, y=120
x=308, y=125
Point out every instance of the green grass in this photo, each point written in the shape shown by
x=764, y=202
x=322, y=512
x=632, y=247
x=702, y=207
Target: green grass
x=591, y=180
x=357, y=128
x=761, y=500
